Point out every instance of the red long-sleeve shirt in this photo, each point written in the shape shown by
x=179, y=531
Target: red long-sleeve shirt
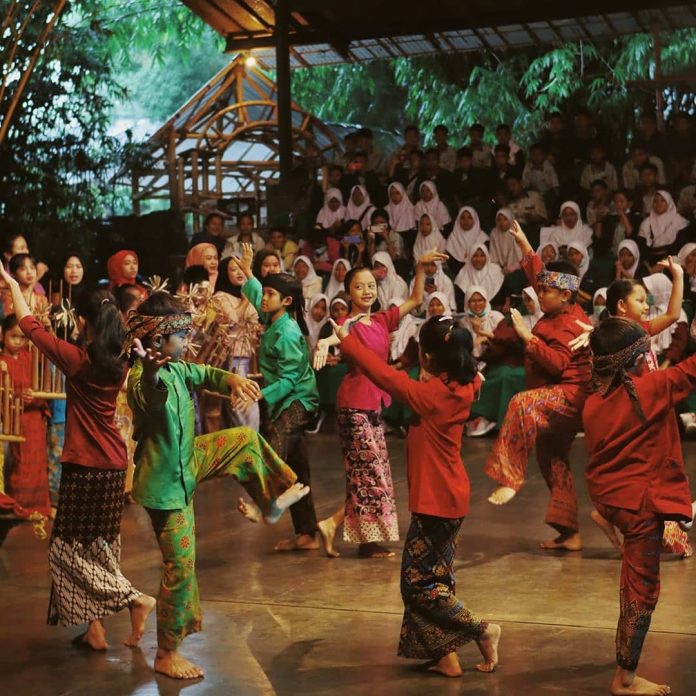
x=91, y=437
x=548, y=357
x=438, y=484
x=630, y=460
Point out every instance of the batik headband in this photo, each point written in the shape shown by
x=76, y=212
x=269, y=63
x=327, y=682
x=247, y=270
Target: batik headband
x=559, y=281
x=141, y=325
x=609, y=370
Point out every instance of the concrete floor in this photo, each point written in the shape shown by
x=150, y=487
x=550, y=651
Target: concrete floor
x=303, y=624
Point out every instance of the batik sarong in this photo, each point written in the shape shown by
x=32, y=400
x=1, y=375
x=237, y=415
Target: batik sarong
x=435, y=622
x=640, y=578
x=370, y=505
x=238, y=452
x=85, y=548
x=543, y=417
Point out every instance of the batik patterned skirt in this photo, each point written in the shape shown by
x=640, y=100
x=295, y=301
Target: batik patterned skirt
x=85, y=549
x=435, y=622
x=370, y=505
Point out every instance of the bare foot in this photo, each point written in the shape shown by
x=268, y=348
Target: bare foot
x=373, y=550
x=301, y=542
x=607, y=527
x=488, y=645
x=502, y=495
x=564, y=542
x=447, y=665
x=172, y=664
x=94, y=637
x=327, y=531
x=139, y=611
x=287, y=498
x=250, y=510
x=627, y=683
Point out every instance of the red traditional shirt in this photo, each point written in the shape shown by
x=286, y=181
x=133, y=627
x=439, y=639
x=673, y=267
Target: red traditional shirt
x=548, y=357
x=632, y=461
x=91, y=437
x=437, y=480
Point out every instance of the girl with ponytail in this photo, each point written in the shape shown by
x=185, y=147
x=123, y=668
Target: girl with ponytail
x=85, y=547
x=438, y=491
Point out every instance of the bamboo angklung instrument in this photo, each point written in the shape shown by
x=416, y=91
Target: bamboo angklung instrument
x=12, y=408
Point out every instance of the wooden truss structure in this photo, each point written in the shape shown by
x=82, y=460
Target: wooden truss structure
x=24, y=28
x=223, y=143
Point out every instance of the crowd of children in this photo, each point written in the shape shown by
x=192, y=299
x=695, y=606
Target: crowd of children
x=399, y=291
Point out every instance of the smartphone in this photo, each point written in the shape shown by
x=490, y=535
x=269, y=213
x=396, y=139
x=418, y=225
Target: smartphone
x=353, y=239
x=430, y=280
x=378, y=229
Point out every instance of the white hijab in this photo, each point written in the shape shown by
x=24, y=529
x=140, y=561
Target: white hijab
x=434, y=240
x=532, y=319
x=314, y=327
x=682, y=256
x=327, y=217
x=401, y=216
x=490, y=277
x=660, y=287
x=361, y=213
x=393, y=285
x=408, y=329
x=550, y=243
x=334, y=287
x=461, y=241
x=562, y=235
x=311, y=275
x=635, y=252
x=504, y=249
x=445, y=285
x=585, y=263
x=434, y=207
x=444, y=301
x=661, y=230
x=489, y=320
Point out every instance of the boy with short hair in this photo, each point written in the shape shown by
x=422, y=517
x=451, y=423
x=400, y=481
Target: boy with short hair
x=548, y=413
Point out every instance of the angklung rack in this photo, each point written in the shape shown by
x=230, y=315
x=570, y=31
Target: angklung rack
x=11, y=410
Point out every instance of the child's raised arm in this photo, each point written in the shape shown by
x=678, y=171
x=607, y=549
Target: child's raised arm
x=664, y=321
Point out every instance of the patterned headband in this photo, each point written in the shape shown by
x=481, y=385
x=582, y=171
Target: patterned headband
x=141, y=325
x=609, y=370
x=559, y=281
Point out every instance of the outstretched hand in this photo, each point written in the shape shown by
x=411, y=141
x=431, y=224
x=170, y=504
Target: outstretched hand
x=583, y=340
x=673, y=266
x=432, y=256
x=520, y=325
x=243, y=392
x=152, y=360
x=9, y=280
x=343, y=330
x=244, y=264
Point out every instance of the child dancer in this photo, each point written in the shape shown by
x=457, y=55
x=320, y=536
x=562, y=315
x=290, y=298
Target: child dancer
x=370, y=510
x=435, y=622
x=170, y=463
x=635, y=476
x=27, y=469
x=85, y=548
x=548, y=413
x=290, y=390
x=628, y=299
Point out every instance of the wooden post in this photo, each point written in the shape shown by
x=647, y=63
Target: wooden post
x=174, y=196
x=135, y=190
x=181, y=181
x=282, y=46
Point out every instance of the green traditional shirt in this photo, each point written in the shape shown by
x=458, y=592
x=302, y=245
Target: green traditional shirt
x=164, y=429
x=283, y=359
